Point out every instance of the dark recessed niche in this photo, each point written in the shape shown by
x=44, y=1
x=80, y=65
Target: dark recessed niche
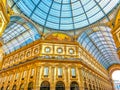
x=22, y=78
x=45, y=75
x=73, y=76
x=59, y=76
x=31, y=76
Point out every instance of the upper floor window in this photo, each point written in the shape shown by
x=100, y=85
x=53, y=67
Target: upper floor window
x=73, y=72
x=32, y=71
x=10, y=77
x=60, y=71
x=46, y=71
x=17, y=75
x=4, y=79
x=24, y=74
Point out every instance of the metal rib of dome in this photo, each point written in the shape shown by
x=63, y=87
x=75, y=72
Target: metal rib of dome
x=65, y=14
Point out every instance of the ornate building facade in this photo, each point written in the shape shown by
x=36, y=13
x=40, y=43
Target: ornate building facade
x=50, y=64
x=48, y=46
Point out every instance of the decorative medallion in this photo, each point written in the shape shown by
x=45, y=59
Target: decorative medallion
x=28, y=54
x=71, y=51
x=35, y=50
x=21, y=56
x=59, y=50
x=47, y=49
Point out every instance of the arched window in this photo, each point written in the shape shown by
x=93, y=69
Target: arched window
x=45, y=85
x=14, y=87
x=74, y=86
x=21, y=87
x=85, y=86
x=93, y=87
x=30, y=86
x=60, y=86
x=116, y=78
x=97, y=88
x=8, y=88
x=2, y=88
x=90, y=88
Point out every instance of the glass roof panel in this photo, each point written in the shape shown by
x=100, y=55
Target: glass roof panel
x=74, y=14
x=18, y=34
x=101, y=45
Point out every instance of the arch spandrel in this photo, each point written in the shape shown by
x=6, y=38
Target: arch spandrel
x=113, y=68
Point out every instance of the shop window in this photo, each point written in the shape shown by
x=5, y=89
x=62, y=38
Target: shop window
x=8, y=88
x=74, y=86
x=14, y=87
x=30, y=86
x=60, y=86
x=45, y=85
x=21, y=87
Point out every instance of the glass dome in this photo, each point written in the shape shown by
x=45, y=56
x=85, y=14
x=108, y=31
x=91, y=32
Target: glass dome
x=66, y=14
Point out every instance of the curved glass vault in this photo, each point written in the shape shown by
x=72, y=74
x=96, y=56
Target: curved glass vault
x=99, y=42
x=18, y=34
x=65, y=14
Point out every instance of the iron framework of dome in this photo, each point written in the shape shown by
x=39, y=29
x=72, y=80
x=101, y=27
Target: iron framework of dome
x=65, y=14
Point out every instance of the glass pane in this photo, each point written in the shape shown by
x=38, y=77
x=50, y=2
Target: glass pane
x=73, y=72
x=59, y=71
x=46, y=71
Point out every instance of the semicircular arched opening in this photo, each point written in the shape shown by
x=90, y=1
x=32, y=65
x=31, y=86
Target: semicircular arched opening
x=90, y=87
x=2, y=88
x=85, y=86
x=116, y=79
x=21, y=87
x=8, y=88
x=30, y=86
x=74, y=86
x=45, y=85
x=14, y=87
x=60, y=85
